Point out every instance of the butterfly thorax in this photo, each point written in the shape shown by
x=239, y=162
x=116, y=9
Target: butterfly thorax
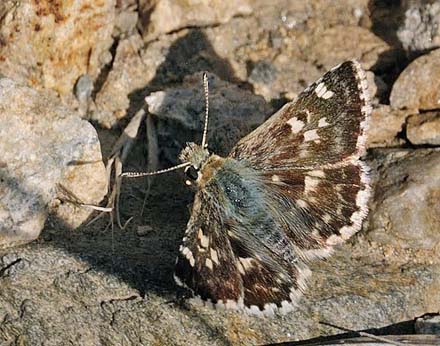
x=203, y=164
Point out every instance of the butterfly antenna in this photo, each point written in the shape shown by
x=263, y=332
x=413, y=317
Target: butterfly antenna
x=145, y=174
x=206, y=89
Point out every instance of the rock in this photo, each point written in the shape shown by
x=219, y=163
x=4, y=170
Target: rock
x=429, y=324
x=341, y=43
x=43, y=145
x=126, y=18
x=405, y=212
x=144, y=230
x=232, y=51
x=420, y=30
x=289, y=80
x=418, y=86
x=83, y=93
x=61, y=42
x=385, y=125
x=128, y=73
x=164, y=16
x=138, y=70
x=424, y=129
x=233, y=113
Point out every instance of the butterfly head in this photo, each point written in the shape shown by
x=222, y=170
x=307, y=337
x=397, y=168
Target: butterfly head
x=196, y=156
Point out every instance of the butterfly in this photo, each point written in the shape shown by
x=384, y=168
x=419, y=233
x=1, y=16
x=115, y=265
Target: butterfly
x=287, y=193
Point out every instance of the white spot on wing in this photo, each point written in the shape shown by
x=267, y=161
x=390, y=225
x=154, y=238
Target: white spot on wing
x=240, y=268
x=309, y=116
x=209, y=263
x=316, y=173
x=246, y=262
x=311, y=135
x=326, y=218
x=214, y=256
x=327, y=94
x=275, y=178
x=297, y=125
x=189, y=256
x=204, y=240
x=322, y=91
x=319, y=89
x=310, y=184
x=302, y=203
x=323, y=122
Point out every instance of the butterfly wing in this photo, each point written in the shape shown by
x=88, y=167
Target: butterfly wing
x=233, y=254
x=309, y=156
x=324, y=125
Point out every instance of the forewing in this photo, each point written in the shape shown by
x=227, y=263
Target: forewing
x=308, y=156
x=324, y=125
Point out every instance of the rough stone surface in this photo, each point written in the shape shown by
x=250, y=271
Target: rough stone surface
x=418, y=86
x=42, y=145
x=384, y=127
x=50, y=44
x=126, y=18
x=278, y=38
x=424, y=129
x=128, y=73
x=341, y=43
x=164, y=16
x=233, y=113
x=428, y=325
x=99, y=287
x=420, y=30
x=405, y=209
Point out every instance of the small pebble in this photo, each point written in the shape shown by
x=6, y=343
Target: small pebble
x=144, y=230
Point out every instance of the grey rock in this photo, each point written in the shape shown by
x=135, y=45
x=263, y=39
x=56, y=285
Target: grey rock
x=418, y=86
x=429, y=324
x=233, y=112
x=83, y=88
x=83, y=93
x=424, y=129
x=42, y=145
x=263, y=72
x=405, y=209
x=420, y=30
x=46, y=45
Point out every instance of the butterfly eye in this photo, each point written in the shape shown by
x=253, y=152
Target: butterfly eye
x=192, y=173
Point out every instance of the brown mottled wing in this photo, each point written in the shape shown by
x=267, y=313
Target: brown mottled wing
x=229, y=255
x=324, y=125
x=319, y=208
x=308, y=155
